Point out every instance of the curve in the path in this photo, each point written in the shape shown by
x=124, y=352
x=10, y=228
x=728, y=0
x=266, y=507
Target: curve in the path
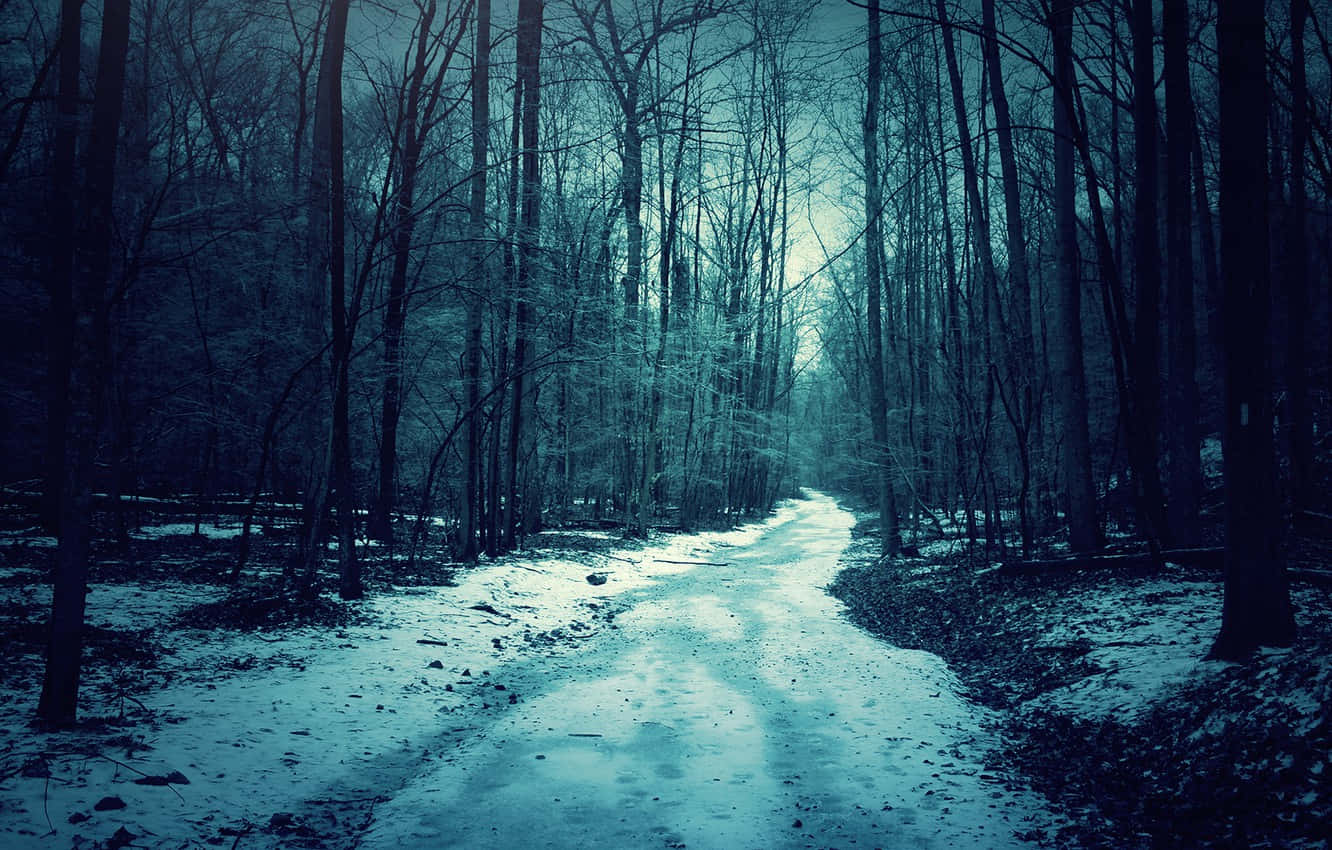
x=733, y=708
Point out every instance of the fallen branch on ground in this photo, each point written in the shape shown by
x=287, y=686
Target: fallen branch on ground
x=1321, y=578
x=1202, y=557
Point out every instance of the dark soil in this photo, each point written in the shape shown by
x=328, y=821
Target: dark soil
x=1240, y=758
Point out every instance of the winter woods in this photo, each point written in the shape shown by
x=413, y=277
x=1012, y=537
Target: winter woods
x=454, y=270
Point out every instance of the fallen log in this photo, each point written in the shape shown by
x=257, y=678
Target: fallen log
x=1208, y=557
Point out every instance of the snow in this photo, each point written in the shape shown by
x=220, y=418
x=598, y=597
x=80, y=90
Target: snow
x=26, y=538
x=1146, y=637
x=755, y=718
x=707, y=694
x=206, y=529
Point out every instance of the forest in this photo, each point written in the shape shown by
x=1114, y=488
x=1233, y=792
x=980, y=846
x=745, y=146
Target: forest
x=432, y=272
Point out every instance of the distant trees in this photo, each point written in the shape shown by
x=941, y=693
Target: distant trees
x=1114, y=284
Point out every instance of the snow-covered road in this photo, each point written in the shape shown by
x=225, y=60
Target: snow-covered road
x=732, y=708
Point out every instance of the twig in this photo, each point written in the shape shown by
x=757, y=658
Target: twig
x=369, y=815
x=46, y=789
x=693, y=563
x=239, y=835
x=141, y=773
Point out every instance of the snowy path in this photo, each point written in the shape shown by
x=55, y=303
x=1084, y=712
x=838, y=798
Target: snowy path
x=732, y=708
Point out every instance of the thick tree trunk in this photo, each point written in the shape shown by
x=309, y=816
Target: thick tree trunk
x=529, y=235
x=315, y=438
x=1144, y=428
x=58, y=703
x=60, y=267
x=1066, y=329
x=1257, y=609
x=1296, y=277
x=349, y=569
x=1020, y=322
x=1184, y=467
x=327, y=274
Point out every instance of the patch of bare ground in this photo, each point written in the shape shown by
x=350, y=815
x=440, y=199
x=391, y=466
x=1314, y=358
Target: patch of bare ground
x=1219, y=756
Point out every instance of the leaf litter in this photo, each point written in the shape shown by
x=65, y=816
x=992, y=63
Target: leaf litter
x=1107, y=704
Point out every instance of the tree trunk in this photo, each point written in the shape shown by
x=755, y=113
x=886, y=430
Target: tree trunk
x=1066, y=329
x=1184, y=467
x=529, y=225
x=1144, y=427
x=412, y=131
x=326, y=237
x=1012, y=391
x=1020, y=315
x=349, y=569
x=60, y=270
x=476, y=223
x=1296, y=275
x=316, y=430
x=503, y=479
x=1257, y=609
x=881, y=458
x=58, y=703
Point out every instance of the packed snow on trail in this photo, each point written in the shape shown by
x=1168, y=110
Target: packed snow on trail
x=708, y=694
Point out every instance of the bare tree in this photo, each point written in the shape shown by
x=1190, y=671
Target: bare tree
x=476, y=222
x=327, y=235
x=1144, y=428
x=1296, y=271
x=418, y=114
x=530, y=14
x=60, y=262
x=1066, y=329
x=90, y=300
x=880, y=457
x=1184, y=466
